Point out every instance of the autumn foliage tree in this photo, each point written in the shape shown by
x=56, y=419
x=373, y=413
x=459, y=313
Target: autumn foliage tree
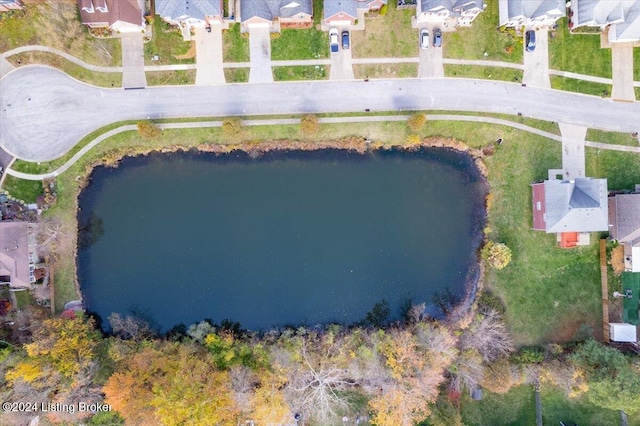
x=148, y=129
x=232, y=128
x=417, y=122
x=498, y=255
x=309, y=125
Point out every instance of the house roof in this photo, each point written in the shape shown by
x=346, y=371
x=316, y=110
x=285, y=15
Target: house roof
x=110, y=11
x=270, y=9
x=624, y=218
x=623, y=15
x=14, y=252
x=531, y=9
x=188, y=8
x=334, y=7
x=578, y=205
x=450, y=5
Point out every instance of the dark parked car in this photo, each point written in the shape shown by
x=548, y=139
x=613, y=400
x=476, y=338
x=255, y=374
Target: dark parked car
x=345, y=39
x=437, y=38
x=530, y=40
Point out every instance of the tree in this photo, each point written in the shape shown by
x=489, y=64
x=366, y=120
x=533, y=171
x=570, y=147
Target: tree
x=498, y=377
x=498, y=255
x=487, y=335
x=309, y=125
x=232, y=128
x=417, y=122
x=130, y=327
x=148, y=129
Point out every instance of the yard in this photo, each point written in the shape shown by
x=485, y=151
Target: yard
x=169, y=46
x=387, y=36
x=300, y=44
x=235, y=47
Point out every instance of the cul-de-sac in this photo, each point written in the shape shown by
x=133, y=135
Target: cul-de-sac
x=320, y=212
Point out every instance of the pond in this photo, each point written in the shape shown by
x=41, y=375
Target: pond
x=295, y=238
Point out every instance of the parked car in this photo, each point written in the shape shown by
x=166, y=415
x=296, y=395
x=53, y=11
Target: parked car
x=530, y=40
x=424, y=39
x=345, y=39
x=333, y=40
x=437, y=38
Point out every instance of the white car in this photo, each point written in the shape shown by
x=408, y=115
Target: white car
x=333, y=40
x=424, y=39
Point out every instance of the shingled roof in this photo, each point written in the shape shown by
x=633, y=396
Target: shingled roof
x=450, y=5
x=622, y=15
x=110, y=11
x=14, y=253
x=271, y=9
x=192, y=8
x=530, y=9
x=578, y=205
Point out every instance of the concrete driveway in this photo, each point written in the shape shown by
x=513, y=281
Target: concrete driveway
x=341, y=62
x=622, y=72
x=209, y=56
x=431, y=65
x=133, y=60
x=66, y=110
x=260, y=54
x=536, y=63
x=572, y=150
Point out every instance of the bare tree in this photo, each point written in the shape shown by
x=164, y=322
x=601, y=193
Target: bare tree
x=130, y=327
x=488, y=335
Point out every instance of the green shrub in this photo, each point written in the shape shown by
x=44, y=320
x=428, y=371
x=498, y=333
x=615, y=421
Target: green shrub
x=498, y=255
x=489, y=301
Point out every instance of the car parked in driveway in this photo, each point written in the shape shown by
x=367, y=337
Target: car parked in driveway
x=530, y=40
x=424, y=39
x=333, y=40
x=437, y=38
x=345, y=39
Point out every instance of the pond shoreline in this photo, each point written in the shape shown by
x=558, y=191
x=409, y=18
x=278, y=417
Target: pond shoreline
x=475, y=276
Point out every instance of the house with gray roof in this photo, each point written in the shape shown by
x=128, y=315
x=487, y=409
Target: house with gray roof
x=531, y=13
x=7, y=5
x=189, y=14
x=620, y=17
x=17, y=254
x=118, y=15
x=346, y=12
x=277, y=13
x=449, y=13
x=624, y=226
x=570, y=208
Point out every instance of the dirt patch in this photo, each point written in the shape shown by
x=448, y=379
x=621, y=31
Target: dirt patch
x=190, y=54
x=570, y=330
x=617, y=260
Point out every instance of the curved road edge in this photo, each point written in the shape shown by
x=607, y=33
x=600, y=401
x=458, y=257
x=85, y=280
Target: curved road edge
x=326, y=120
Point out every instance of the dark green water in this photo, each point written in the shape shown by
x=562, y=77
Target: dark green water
x=286, y=239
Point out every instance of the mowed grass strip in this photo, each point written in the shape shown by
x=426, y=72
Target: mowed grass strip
x=300, y=44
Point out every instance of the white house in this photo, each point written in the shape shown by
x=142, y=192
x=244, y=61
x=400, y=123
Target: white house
x=189, y=14
x=622, y=17
x=531, y=13
x=452, y=12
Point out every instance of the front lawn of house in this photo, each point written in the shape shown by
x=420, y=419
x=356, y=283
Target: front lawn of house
x=167, y=43
x=292, y=44
x=389, y=36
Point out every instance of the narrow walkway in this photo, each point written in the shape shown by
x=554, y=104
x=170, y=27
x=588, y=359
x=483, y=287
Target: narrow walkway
x=325, y=120
x=573, y=164
x=605, y=290
x=310, y=62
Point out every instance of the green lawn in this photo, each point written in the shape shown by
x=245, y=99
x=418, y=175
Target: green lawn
x=515, y=408
x=235, y=47
x=567, y=52
x=24, y=298
x=556, y=408
x=311, y=72
x=483, y=37
x=300, y=44
x=487, y=73
x=387, y=36
x=612, y=138
x=581, y=86
x=236, y=75
x=167, y=42
x=25, y=190
x=170, y=78
x=386, y=71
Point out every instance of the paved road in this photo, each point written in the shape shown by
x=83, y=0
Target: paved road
x=622, y=72
x=536, y=63
x=260, y=54
x=44, y=112
x=209, y=56
x=133, y=60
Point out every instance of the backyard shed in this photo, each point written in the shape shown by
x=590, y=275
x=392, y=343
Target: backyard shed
x=621, y=332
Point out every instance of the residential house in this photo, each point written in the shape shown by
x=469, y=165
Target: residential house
x=17, y=254
x=448, y=13
x=621, y=17
x=118, y=15
x=624, y=226
x=345, y=12
x=531, y=13
x=571, y=209
x=7, y=5
x=276, y=14
x=189, y=14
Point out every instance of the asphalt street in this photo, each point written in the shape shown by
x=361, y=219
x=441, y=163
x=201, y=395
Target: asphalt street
x=44, y=112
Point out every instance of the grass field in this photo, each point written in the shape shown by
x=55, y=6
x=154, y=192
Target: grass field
x=387, y=36
x=235, y=47
x=580, y=86
x=317, y=72
x=566, y=52
x=487, y=73
x=385, y=71
x=167, y=42
x=170, y=78
x=300, y=44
